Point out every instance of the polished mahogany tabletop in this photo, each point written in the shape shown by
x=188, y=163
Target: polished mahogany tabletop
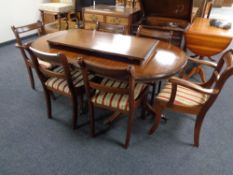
x=166, y=61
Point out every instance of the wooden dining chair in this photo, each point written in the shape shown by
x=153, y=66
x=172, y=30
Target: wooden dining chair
x=64, y=80
x=205, y=9
x=117, y=92
x=187, y=97
x=21, y=31
x=111, y=28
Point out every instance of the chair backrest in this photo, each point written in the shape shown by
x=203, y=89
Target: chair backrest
x=111, y=28
x=220, y=75
x=154, y=33
x=223, y=70
x=120, y=74
x=62, y=71
x=21, y=31
x=205, y=9
x=208, y=8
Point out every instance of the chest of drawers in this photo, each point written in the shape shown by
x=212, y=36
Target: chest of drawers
x=111, y=15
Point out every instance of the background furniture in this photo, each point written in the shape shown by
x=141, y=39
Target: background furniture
x=205, y=9
x=60, y=10
x=206, y=41
x=112, y=28
x=117, y=92
x=110, y=15
x=19, y=32
x=167, y=15
x=64, y=80
x=184, y=96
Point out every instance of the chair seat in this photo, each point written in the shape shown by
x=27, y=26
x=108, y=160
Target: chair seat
x=114, y=100
x=60, y=84
x=56, y=7
x=184, y=96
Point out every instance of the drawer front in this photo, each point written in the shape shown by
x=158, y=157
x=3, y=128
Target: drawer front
x=93, y=17
x=116, y=20
x=90, y=26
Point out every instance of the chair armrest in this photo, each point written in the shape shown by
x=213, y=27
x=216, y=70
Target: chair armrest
x=193, y=86
x=181, y=82
x=204, y=62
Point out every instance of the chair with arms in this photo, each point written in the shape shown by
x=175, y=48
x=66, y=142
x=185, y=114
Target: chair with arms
x=19, y=32
x=64, y=80
x=117, y=92
x=184, y=96
x=111, y=28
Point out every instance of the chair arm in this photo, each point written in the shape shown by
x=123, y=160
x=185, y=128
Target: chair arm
x=204, y=62
x=193, y=86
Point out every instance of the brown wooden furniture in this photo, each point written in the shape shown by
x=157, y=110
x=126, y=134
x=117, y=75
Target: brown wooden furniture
x=145, y=31
x=117, y=92
x=206, y=41
x=111, y=15
x=167, y=15
x=19, y=32
x=205, y=9
x=60, y=10
x=167, y=60
x=112, y=28
x=184, y=96
x=107, y=43
x=64, y=80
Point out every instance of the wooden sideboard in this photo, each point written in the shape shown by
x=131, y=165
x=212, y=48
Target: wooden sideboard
x=110, y=15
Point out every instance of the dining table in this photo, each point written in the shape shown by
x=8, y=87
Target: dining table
x=152, y=59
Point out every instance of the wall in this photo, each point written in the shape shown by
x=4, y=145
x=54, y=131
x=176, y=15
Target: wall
x=17, y=12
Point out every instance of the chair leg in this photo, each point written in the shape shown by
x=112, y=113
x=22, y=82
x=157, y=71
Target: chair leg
x=144, y=105
x=48, y=102
x=75, y=111
x=197, y=129
x=91, y=118
x=157, y=118
x=153, y=92
x=32, y=82
x=129, y=130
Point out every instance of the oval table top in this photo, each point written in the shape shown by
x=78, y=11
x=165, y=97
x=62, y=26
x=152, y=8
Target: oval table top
x=167, y=60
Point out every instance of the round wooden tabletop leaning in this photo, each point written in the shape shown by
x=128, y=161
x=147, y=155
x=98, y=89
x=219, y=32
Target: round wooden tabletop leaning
x=205, y=40
x=167, y=61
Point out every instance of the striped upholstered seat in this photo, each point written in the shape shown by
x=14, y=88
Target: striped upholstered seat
x=117, y=101
x=184, y=96
x=60, y=84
